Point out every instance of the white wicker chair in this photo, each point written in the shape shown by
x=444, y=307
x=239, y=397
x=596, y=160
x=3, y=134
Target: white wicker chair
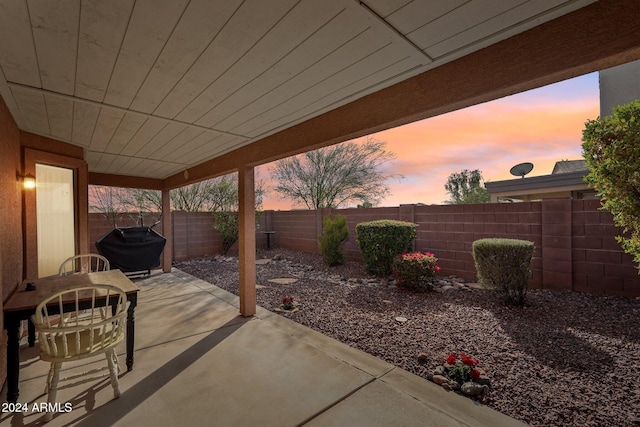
x=68, y=330
x=85, y=263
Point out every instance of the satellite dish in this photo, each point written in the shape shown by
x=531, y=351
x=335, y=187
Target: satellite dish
x=521, y=169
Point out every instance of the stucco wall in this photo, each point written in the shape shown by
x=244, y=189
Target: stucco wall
x=619, y=85
x=10, y=215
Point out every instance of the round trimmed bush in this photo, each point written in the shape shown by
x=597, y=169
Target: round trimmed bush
x=504, y=267
x=380, y=241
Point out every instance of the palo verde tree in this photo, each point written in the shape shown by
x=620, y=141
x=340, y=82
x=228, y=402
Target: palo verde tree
x=611, y=148
x=334, y=176
x=224, y=201
x=466, y=187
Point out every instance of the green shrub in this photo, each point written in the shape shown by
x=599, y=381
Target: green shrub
x=611, y=148
x=226, y=223
x=504, y=267
x=380, y=241
x=415, y=270
x=334, y=234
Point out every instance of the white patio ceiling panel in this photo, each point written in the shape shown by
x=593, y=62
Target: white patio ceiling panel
x=153, y=87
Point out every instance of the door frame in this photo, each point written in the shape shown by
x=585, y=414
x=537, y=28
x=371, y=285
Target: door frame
x=81, y=208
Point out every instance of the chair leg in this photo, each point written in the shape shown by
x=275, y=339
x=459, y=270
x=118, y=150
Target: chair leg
x=53, y=388
x=47, y=386
x=112, y=361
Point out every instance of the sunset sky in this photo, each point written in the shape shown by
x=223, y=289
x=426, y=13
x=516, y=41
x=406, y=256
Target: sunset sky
x=540, y=126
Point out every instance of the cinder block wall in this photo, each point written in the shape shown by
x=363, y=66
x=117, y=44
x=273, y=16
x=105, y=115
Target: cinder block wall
x=449, y=232
x=598, y=263
x=575, y=241
x=293, y=229
x=193, y=235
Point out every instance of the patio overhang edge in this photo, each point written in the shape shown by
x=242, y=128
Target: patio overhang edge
x=124, y=181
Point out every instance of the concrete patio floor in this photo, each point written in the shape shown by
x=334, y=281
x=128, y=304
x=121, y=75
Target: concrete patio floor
x=197, y=362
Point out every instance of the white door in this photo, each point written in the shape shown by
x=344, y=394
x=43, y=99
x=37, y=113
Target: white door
x=55, y=214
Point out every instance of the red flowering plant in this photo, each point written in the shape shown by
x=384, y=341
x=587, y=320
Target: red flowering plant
x=287, y=303
x=461, y=368
x=415, y=270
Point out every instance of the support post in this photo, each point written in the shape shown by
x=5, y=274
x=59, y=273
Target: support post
x=167, y=254
x=247, y=240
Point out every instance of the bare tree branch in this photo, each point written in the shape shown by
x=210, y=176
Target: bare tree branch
x=335, y=176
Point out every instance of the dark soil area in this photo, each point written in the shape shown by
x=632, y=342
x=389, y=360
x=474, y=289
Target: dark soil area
x=565, y=358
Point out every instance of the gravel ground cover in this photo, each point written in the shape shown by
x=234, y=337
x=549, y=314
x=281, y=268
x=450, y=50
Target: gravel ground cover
x=565, y=358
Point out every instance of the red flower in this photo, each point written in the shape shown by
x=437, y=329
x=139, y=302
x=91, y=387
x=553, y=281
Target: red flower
x=437, y=269
x=451, y=360
x=467, y=360
x=285, y=300
x=475, y=374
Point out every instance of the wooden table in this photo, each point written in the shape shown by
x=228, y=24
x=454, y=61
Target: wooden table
x=22, y=304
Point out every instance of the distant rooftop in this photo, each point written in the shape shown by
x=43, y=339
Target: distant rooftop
x=566, y=181
x=566, y=166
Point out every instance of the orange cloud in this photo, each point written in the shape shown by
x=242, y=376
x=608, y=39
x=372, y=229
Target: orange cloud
x=539, y=127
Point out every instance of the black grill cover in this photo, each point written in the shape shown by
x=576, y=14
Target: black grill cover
x=132, y=248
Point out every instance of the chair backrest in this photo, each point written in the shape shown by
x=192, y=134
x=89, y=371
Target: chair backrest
x=76, y=323
x=85, y=263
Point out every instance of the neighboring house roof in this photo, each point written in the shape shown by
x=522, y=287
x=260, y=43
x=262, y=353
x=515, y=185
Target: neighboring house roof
x=565, y=166
x=566, y=181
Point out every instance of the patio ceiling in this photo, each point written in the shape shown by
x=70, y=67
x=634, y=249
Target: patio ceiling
x=154, y=88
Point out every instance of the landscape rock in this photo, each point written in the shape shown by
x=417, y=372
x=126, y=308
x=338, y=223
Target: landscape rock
x=527, y=351
x=283, y=280
x=472, y=389
x=484, y=380
x=439, y=379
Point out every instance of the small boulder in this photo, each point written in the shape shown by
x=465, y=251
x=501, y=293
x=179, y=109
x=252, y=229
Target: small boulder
x=484, y=380
x=472, y=389
x=440, y=370
x=439, y=379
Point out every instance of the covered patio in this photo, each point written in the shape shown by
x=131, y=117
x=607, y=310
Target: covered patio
x=197, y=362
x=158, y=95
